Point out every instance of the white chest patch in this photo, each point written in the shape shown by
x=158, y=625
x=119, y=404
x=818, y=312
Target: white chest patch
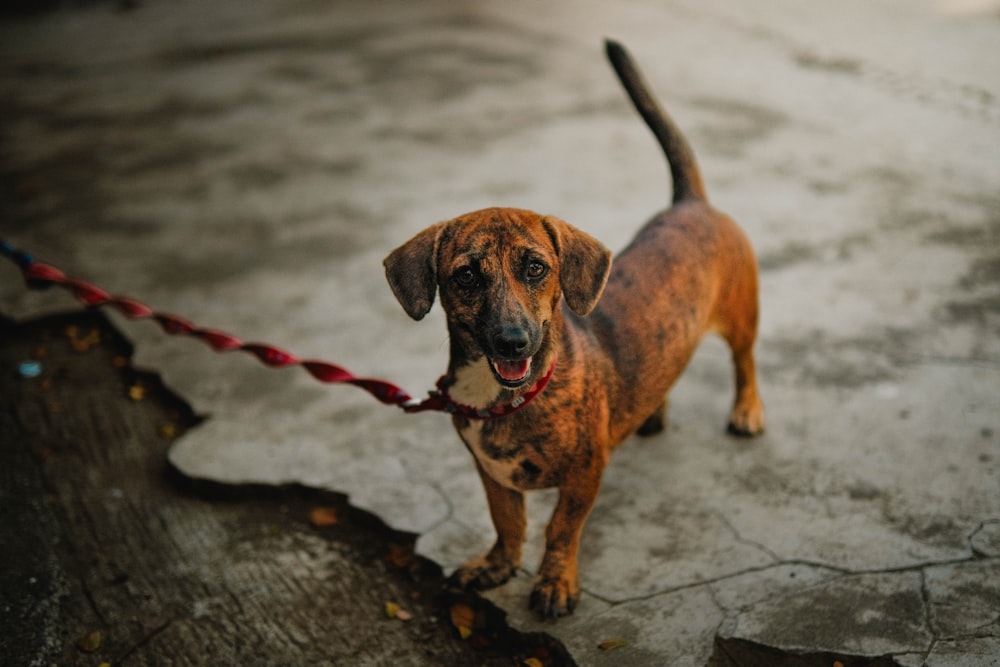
x=502, y=472
x=475, y=384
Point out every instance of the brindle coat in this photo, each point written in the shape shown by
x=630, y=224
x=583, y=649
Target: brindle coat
x=521, y=291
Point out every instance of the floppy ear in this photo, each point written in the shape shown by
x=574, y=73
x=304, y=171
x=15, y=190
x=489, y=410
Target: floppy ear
x=411, y=270
x=584, y=264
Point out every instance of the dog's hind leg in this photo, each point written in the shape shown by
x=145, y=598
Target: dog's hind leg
x=747, y=417
x=735, y=319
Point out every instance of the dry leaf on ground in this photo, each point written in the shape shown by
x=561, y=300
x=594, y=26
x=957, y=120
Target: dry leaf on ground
x=612, y=644
x=463, y=617
x=324, y=517
x=393, y=610
x=90, y=642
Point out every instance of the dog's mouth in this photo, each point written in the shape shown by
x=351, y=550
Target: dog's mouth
x=511, y=372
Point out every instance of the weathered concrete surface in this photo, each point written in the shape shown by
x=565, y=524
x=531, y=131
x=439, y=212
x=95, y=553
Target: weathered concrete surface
x=112, y=557
x=248, y=165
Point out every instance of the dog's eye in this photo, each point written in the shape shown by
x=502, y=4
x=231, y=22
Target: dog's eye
x=536, y=270
x=466, y=277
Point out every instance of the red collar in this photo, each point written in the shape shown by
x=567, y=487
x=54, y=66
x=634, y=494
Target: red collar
x=440, y=400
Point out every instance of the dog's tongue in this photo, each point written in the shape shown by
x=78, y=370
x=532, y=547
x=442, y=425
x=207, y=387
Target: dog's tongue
x=513, y=370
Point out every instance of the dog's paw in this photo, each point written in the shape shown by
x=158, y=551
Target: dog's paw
x=482, y=573
x=552, y=598
x=652, y=426
x=655, y=423
x=746, y=422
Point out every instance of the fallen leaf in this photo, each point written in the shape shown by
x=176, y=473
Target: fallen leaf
x=838, y=663
x=82, y=343
x=533, y=662
x=324, y=517
x=90, y=642
x=168, y=431
x=463, y=617
x=393, y=610
x=137, y=392
x=612, y=644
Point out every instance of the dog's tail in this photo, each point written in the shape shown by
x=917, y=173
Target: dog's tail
x=683, y=166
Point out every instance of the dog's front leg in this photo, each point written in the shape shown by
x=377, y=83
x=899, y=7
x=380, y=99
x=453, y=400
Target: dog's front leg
x=501, y=562
x=557, y=587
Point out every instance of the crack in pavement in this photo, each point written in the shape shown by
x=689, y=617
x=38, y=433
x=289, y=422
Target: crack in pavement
x=919, y=567
x=732, y=612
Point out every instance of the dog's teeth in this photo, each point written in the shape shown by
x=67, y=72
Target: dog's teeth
x=512, y=370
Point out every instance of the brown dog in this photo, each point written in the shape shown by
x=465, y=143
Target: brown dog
x=502, y=274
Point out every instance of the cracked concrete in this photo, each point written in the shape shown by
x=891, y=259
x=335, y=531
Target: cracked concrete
x=248, y=165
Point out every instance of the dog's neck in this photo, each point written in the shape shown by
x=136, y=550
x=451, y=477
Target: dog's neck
x=499, y=409
x=472, y=383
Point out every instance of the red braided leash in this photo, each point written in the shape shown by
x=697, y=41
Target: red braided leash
x=40, y=275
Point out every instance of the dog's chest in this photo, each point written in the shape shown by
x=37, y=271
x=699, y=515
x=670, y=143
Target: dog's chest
x=505, y=469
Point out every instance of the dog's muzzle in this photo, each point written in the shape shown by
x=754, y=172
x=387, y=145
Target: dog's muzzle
x=511, y=358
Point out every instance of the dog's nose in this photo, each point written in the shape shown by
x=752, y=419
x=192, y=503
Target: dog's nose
x=511, y=342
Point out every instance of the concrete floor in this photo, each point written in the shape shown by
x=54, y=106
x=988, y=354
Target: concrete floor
x=248, y=165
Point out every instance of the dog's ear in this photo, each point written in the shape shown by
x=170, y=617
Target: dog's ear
x=411, y=270
x=584, y=264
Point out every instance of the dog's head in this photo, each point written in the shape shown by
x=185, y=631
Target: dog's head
x=501, y=274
